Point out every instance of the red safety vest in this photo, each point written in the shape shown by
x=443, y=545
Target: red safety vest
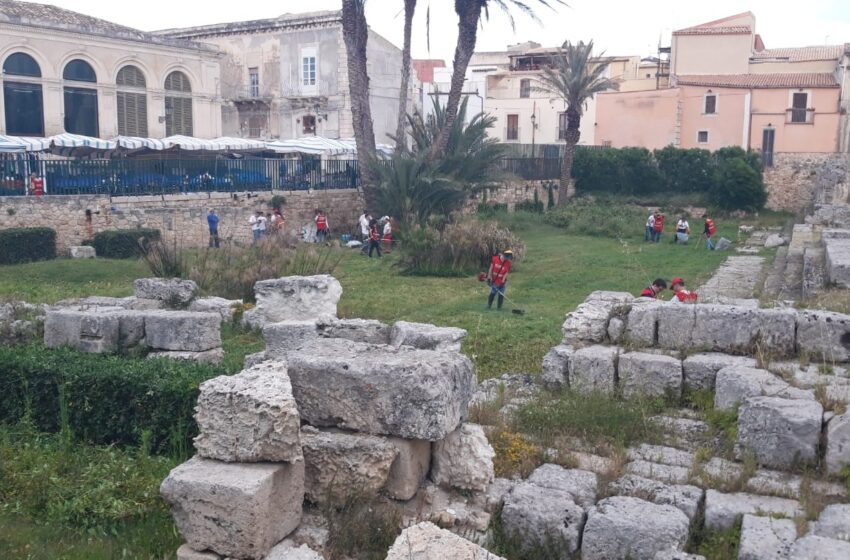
x=710, y=224
x=321, y=223
x=686, y=296
x=648, y=292
x=38, y=186
x=659, y=223
x=500, y=272
x=374, y=234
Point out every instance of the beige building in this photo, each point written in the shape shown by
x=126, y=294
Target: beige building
x=68, y=72
x=287, y=77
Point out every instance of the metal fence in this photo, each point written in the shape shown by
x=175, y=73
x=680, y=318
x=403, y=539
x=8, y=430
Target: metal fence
x=532, y=169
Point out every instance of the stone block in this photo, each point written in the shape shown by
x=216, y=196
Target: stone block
x=185, y=552
x=94, y=331
x=676, y=326
x=294, y=298
x=556, y=367
x=185, y=331
x=173, y=291
x=721, y=510
x=700, y=370
x=838, y=444
x=224, y=307
x=676, y=555
x=426, y=337
x=833, y=523
x=824, y=336
x=616, y=329
x=773, y=241
x=685, y=497
x=766, y=538
x=82, y=252
x=256, y=358
x=287, y=335
x=426, y=541
x=781, y=433
x=541, y=517
x=623, y=527
x=214, y=356
x=669, y=474
x=235, y=509
x=813, y=547
x=249, y=417
x=739, y=330
x=463, y=460
x=588, y=323
x=409, y=468
x=404, y=392
x=661, y=454
x=358, y=330
x=837, y=253
x=579, y=484
x=649, y=375
x=642, y=323
x=593, y=369
x=287, y=550
x=733, y=384
x=339, y=464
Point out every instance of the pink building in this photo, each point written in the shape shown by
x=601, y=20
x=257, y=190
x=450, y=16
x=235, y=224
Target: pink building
x=727, y=89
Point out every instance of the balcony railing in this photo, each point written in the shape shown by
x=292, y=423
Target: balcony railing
x=800, y=116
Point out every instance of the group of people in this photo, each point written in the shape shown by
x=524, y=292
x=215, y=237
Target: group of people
x=375, y=231
x=655, y=227
x=270, y=223
x=677, y=286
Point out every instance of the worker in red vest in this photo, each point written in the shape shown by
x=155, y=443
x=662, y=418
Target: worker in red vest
x=36, y=184
x=658, y=227
x=321, y=226
x=680, y=293
x=497, y=277
x=374, y=238
x=658, y=285
x=709, y=230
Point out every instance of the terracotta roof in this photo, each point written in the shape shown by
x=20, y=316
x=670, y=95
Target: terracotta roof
x=760, y=81
x=802, y=54
x=424, y=68
x=727, y=30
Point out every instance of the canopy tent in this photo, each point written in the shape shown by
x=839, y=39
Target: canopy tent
x=23, y=144
x=136, y=143
x=67, y=140
x=313, y=145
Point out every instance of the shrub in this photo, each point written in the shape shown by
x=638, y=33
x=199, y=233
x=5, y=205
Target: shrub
x=277, y=201
x=488, y=210
x=20, y=245
x=753, y=159
x=686, y=170
x=108, y=399
x=122, y=243
x=163, y=260
x=584, y=216
x=624, y=171
x=535, y=205
x=738, y=187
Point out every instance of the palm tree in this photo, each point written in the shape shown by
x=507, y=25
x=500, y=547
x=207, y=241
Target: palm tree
x=469, y=16
x=355, y=33
x=409, y=9
x=575, y=78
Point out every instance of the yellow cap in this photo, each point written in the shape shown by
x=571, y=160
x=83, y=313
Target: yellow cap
x=507, y=252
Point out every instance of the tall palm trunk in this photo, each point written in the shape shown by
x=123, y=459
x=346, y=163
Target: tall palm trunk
x=469, y=13
x=400, y=141
x=571, y=136
x=355, y=34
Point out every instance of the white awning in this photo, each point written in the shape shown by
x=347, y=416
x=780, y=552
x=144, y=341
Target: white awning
x=67, y=140
x=23, y=144
x=313, y=145
x=136, y=143
x=237, y=144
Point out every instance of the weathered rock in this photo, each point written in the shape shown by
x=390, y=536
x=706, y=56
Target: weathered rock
x=464, y=459
x=824, y=335
x=287, y=550
x=235, y=509
x=781, y=433
x=284, y=336
x=669, y=474
x=173, y=291
x=224, y=307
x=733, y=329
x=676, y=326
x=543, y=517
x=681, y=496
x=813, y=547
x=426, y=541
x=556, y=367
x=837, y=253
x=722, y=509
x=509, y=387
x=774, y=240
x=588, y=323
x=766, y=538
x=593, y=369
x=622, y=527
x=642, y=323
x=294, y=298
x=404, y=392
x=579, y=484
x=82, y=252
x=185, y=552
x=649, y=375
x=685, y=433
x=214, y=356
x=409, y=468
x=426, y=337
x=249, y=417
x=185, y=331
x=838, y=444
x=833, y=522
x=497, y=492
x=700, y=370
x=95, y=332
x=616, y=329
x=358, y=330
x=339, y=464
x=676, y=555
x=256, y=358
x=661, y=454
x=733, y=384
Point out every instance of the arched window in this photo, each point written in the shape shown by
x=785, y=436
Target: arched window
x=178, y=104
x=23, y=98
x=80, y=102
x=132, y=102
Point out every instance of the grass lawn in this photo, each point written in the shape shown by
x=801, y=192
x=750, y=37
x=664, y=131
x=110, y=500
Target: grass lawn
x=51, y=281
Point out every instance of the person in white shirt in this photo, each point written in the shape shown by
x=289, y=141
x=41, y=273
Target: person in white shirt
x=388, y=234
x=683, y=230
x=650, y=225
x=258, y=225
x=364, y=220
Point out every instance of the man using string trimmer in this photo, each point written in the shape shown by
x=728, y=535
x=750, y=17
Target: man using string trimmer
x=497, y=277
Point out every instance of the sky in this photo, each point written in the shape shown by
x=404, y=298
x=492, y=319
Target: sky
x=619, y=27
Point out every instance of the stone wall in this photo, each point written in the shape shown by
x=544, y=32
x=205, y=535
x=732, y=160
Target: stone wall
x=796, y=179
x=513, y=192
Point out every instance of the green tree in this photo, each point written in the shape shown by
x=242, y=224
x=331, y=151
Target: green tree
x=575, y=78
x=738, y=187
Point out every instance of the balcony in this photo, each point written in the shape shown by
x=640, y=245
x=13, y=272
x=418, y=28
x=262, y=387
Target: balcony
x=800, y=116
x=297, y=89
x=253, y=94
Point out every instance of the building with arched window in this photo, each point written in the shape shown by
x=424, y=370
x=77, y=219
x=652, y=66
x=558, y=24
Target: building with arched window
x=69, y=72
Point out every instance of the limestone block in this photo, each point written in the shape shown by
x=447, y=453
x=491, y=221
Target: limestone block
x=676, y=555
x=249, y=417
x=774, y=240
x=649, y=375
x=833, y=523
x=837, y=252
x=765, y=538
x=781, y=433
x=214, y=356
x=734, y=329
x=838, y=444
x=287, y=550
x=685, y=497
x=813, y=547
x=661, y=454
x=409, y=468
x=92, y=331
x=556, y=366
x=82, y=252
x=286, y=335
x=543, y=517
x=256, y=358
x=342, y=463
x=235, y=509
x=700, y=370
x=185, y=331
x=174, y=291
x=579, y=484
x=623, y=527
x=463, y=460
x=824, y=336
x=404, y=392
x=593, y=369
x=588, y=323
x=224, y=307
x=616, y=328
x=733, y=384
x=426, y=541
x=669, y=474
x=642, y=323
x=676, y=326
x=187, y=553
x=426, y=337
x=497, y=492
x=722, y=509
x=358, y=330
x=294, y=298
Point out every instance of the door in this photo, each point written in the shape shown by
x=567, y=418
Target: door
x=767, y=137
x=512, y=132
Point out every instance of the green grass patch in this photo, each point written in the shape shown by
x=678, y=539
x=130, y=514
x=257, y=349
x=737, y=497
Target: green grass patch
x=716, y=545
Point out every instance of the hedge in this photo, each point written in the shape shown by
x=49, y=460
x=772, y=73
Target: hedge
x=109, y=399
x=20, y=245
x=122, y=243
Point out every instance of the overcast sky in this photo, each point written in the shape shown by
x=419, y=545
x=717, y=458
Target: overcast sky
x=620, y=27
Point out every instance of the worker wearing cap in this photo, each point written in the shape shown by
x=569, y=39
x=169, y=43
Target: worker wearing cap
x=497, y=277
x=680, y=293
x=658, y=285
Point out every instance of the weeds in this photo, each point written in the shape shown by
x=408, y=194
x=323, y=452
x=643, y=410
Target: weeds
x=715, y=545
x=360, y=526
x=516, y=454
x=163, y=259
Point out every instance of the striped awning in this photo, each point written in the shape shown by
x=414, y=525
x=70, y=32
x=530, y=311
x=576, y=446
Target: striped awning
x=68, y=140
x=383, y=150
x=23, y=144
x=136, y=143
x=239, y=144
x=313, y=145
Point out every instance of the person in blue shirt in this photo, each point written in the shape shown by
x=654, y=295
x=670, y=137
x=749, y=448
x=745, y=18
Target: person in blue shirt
x=212, y=220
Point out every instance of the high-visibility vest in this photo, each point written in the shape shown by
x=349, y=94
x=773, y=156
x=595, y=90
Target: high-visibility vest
x=711, y=228
x=321, y=223
x=500, y=274
x=659, y=223
x=686, y=296
x=648, y=292
x=374, y=235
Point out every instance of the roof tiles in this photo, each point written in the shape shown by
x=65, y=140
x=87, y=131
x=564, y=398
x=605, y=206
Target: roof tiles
x=761, y=81
x=802, y=54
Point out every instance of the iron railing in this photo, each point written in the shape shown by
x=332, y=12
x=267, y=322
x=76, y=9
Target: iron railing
x=532, y=169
